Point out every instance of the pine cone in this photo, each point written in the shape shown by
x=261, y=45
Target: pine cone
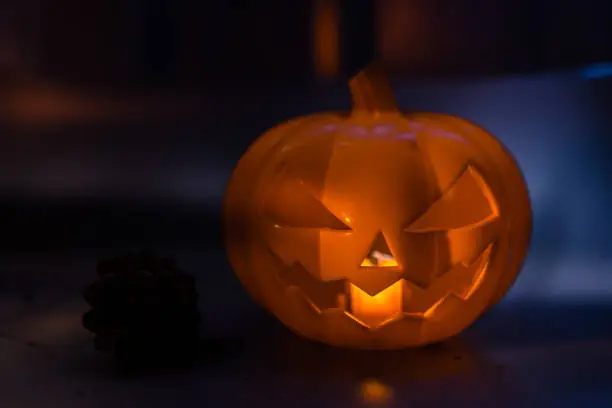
x=144, y=310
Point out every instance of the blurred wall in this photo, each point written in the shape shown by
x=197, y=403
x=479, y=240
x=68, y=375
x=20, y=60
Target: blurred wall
x=478, y=36
x=189, y=42
x=107, y=185
x=124, y=171
x=20, y=51
x=556, y=124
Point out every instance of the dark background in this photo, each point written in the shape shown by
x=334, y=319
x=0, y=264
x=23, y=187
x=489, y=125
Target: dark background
x=122, y=120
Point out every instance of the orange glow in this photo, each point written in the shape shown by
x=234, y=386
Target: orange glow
x=39, y=103
x=326, y=38
x=375, y=392
x=374, y=310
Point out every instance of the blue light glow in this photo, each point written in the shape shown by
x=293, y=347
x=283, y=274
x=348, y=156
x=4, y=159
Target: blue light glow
x=596, y=71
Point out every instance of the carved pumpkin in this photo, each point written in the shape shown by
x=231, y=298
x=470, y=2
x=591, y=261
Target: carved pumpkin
x=377, y=229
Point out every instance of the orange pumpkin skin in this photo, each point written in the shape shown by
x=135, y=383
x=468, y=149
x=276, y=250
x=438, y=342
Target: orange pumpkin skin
x=377, y=229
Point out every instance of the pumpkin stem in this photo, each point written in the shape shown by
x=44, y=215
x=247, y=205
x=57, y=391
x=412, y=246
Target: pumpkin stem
x=371, y=91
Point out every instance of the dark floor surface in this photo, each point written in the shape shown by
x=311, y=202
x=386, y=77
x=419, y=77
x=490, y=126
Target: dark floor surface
x=529, y=351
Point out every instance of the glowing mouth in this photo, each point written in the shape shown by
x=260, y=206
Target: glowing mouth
x=403, y=299
x=372, y=311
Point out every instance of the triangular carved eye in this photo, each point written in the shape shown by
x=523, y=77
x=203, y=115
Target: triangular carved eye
x=468, y=203
x=291, y=204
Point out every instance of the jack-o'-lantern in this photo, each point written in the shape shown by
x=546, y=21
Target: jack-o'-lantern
x=377, y=228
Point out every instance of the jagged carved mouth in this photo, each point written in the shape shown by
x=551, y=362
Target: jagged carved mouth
x=402, y=299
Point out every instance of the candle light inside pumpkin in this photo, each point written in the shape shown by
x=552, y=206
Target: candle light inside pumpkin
x=376, y=309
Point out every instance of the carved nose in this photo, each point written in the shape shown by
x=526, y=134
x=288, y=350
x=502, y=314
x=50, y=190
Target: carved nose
x=379, y=255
